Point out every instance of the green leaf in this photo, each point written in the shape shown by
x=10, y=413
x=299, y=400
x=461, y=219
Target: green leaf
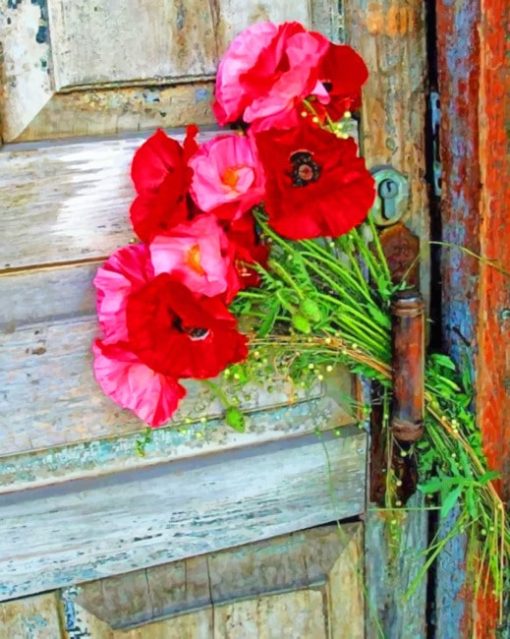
x=269, y=321
x=432, y=486
x=449, y=502
x=443, y=360
x=235, y=419
x=490, y=475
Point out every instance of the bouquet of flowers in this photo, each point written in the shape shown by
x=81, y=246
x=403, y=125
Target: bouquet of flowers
x=206, y=215
x=258, y=256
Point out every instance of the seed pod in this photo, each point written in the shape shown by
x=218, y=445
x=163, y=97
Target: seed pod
x=301, y=324
x=311, y=310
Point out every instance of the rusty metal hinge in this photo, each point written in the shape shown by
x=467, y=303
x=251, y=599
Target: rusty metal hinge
x=394, y=448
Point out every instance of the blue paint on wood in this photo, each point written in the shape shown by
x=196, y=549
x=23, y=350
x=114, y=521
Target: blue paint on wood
x=459, y=271
x=451, y=578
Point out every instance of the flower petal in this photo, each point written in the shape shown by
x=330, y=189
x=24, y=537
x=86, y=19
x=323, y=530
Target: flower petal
x=125, y=272
x=153, y=397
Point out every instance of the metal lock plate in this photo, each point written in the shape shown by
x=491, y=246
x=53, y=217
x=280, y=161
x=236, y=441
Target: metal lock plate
x=392, y=196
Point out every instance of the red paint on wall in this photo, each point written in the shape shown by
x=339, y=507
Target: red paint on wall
x=474, y=71
x=493, y=363
x=493, y=402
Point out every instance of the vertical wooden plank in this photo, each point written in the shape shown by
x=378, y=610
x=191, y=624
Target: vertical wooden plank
x=493, y=366
x=473, y=54
x=458, y=52
x=346, y=601
x=493, y=363
x=391, y=37
x=393, y=609
x=291, y=615
x=30, y=618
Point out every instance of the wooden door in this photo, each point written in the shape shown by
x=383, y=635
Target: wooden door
x=83, y=83
x=306, y=584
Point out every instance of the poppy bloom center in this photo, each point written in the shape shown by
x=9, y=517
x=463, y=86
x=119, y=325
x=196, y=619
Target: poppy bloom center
x=194, y=332
x=230, y=177
x=304, y=169
x=192, y=260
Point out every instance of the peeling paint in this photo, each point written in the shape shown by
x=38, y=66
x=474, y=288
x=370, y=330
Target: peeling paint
x=42, y=32
x=202, y=95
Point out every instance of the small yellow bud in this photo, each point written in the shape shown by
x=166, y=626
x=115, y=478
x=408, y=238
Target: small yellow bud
x=315, y=119
x=347, y=115
x=304, y=114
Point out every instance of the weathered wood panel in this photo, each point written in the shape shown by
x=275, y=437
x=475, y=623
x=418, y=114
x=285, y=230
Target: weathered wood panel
x=99, y=527
x=120, y=57
x=46, y=328
x=314, y=577
x=473, y=54
x=133, y=42
x=76, y=196
x=44, y=407
x=31, y=618
x=391, y=37
x=393, y=564
x=116, y=453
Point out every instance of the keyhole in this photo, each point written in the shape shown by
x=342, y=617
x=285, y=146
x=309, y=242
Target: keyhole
x=388, y=191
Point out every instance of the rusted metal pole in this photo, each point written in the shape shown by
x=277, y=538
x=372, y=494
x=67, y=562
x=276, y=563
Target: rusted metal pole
x=408, y=364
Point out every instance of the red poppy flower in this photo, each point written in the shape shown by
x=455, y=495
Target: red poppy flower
x=162, y=178
x=343, y=73
x=177, y=333
x=316, y=185
x=247, y=249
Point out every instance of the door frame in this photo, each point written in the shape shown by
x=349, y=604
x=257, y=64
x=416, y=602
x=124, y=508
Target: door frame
x=473, y=53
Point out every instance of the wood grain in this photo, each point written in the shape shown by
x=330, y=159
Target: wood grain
x=137, y=41
x=31, y=618
x=473, y=54
x=316, y=557
x=93, y=528
x=392, y=565
x=127, y=63
x=42, y=407
x=391, y=37
x=312, y=577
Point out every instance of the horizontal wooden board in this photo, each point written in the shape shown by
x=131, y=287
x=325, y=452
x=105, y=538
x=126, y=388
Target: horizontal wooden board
x=87, y=529
x=50, y=398
x=116, y=453
x=65, y=202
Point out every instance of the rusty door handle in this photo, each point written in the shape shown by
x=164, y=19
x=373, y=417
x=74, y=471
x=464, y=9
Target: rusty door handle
x=408, y=366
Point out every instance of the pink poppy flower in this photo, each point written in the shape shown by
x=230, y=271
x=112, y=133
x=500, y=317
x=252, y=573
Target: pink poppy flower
x=152, y=396
x=123, y=273
x=197, y=254
x=266, y=73
x=227, y=176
